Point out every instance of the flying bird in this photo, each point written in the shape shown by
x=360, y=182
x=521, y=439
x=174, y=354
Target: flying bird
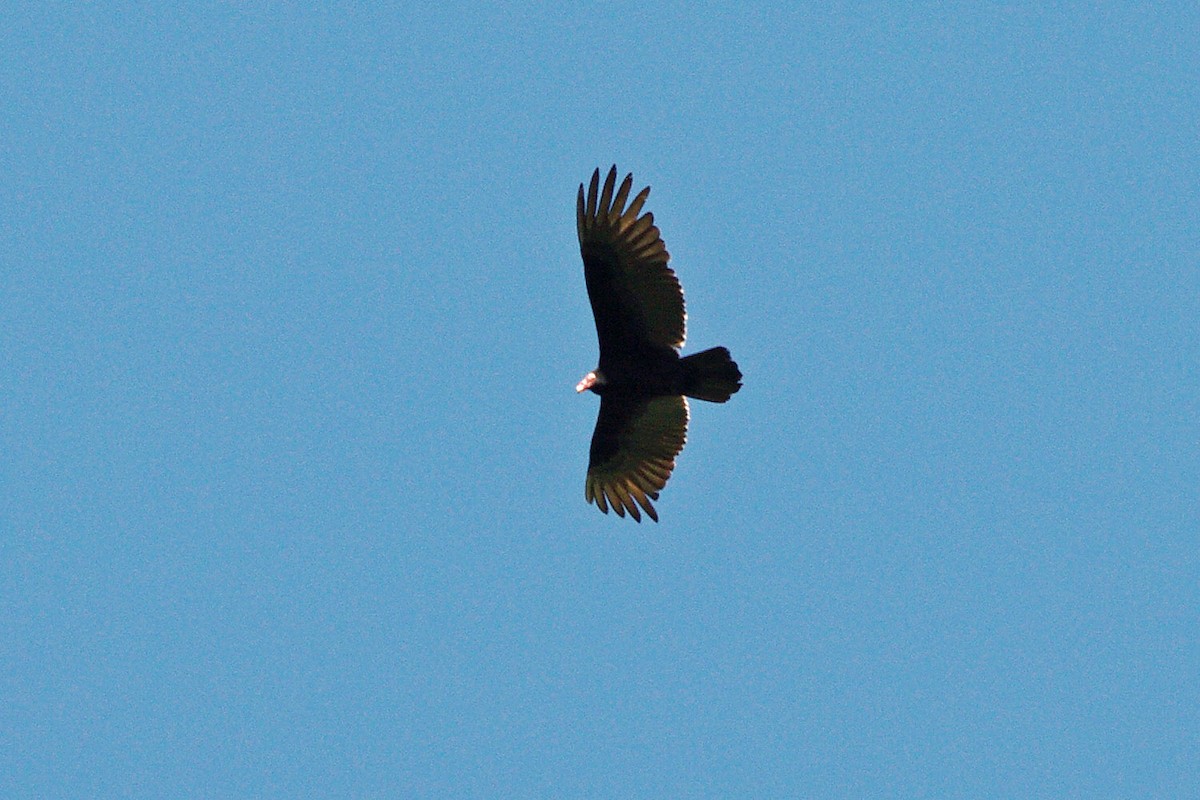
x=642, y=381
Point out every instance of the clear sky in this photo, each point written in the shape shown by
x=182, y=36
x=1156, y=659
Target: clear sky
x=291, y=484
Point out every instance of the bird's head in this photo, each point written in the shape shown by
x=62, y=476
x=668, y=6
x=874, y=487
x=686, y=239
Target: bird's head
x=592, y=380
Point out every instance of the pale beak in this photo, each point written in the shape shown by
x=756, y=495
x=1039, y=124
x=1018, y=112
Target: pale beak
x=588, y=382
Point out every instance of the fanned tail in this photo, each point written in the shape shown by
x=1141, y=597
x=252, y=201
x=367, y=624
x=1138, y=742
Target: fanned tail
x=711, y=375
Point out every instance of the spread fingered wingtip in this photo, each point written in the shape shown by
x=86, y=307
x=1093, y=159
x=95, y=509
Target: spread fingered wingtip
x=599, y=199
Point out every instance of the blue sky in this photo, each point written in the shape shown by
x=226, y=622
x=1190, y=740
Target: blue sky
x=291, y=312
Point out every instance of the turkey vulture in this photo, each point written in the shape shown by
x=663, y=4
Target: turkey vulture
x=642, y=381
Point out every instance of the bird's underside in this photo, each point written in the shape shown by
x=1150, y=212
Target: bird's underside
x=638, y=306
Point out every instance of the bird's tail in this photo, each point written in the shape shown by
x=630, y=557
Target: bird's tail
x=711, y=375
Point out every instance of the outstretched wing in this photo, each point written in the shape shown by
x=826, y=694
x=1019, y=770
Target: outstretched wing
x=633, y=452
x=636, y=298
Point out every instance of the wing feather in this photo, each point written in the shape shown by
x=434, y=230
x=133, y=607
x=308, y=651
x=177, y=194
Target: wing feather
x=635, y=207
x=633, y=452
x=636, y=297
